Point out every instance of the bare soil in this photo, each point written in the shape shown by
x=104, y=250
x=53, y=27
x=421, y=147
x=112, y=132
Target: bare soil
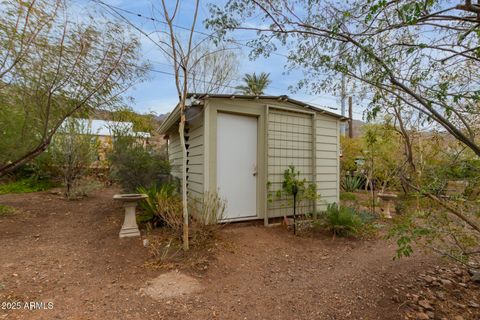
x=68, y=253
x=172, y=284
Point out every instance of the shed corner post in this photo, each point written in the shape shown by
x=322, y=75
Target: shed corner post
x=265, y=207
x=206, y=148
x=314, y=158
x=338, y=162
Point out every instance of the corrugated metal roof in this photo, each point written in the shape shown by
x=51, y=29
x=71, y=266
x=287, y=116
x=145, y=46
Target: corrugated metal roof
x=174, y=116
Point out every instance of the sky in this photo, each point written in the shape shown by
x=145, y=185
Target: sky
x=158, y=94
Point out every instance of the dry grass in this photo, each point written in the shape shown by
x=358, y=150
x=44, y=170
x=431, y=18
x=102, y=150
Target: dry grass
x=165, y=243
x=166, y=250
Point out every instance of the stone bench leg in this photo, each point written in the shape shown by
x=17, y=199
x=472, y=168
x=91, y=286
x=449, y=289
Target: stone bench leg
x=130, y=227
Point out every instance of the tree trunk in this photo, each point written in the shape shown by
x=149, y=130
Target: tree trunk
x=24, y=159
x=181, y=131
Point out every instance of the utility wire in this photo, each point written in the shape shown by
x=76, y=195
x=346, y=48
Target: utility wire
x=240, y=80
x=113, y=7
x=209, y=35
x=224, y=86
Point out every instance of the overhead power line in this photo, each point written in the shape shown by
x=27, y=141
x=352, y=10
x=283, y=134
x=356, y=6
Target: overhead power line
x=209, y=35
x=209, y=82
x=240, y=80
x=140, y=15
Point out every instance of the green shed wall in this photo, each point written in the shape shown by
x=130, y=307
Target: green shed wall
x=288, y=135
x=195, y=156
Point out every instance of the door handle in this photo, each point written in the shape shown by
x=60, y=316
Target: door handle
x=255, y=171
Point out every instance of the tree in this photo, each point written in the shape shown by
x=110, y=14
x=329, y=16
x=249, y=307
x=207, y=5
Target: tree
x=423, y=53
x=73, y=151
x=52, y=69
x=213, y=69
x=381, y=152
x=180, y=53
x=254, y=85
x=351, y=151
x=141, y=122
x=419, y=59
x=135, y=165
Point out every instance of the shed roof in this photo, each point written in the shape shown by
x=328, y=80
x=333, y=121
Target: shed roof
x=196, y=98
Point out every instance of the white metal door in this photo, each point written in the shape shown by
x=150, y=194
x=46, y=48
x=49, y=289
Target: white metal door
x=237, y=164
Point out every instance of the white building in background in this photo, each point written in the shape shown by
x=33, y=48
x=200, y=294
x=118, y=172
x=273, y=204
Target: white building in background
x=107, y=128
x=106, y=131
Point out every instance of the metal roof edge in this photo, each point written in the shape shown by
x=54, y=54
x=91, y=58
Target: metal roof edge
x=283, y=98
x=174, y=116
x=171, y=119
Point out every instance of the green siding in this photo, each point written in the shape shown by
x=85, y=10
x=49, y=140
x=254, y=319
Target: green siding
x=195, y=158
x=327, y=160
x=288, y=135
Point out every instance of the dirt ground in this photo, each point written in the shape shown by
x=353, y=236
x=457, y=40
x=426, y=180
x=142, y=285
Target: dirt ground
x=68, y=255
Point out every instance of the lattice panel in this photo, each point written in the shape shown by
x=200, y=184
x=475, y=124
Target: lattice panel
x=290, y=142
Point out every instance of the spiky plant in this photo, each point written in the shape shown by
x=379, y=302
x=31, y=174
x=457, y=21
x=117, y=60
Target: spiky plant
x=352, y=183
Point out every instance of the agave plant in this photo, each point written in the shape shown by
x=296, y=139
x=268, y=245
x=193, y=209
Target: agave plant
x=161, y=205
x=352, y=183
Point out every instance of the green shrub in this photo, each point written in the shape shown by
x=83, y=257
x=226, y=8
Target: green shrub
x=366, y=217
x=163, y=206
x=352, y=183
x=26, y=185
x=408, y=230
x=6, y=210
x=134, y=165
x=342, y=221
x=436, y=176
x=149, y=205
x=348, y=196
x=351, y=151
x=40, y=170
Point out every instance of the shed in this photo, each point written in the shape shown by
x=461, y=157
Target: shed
x=239, y=146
